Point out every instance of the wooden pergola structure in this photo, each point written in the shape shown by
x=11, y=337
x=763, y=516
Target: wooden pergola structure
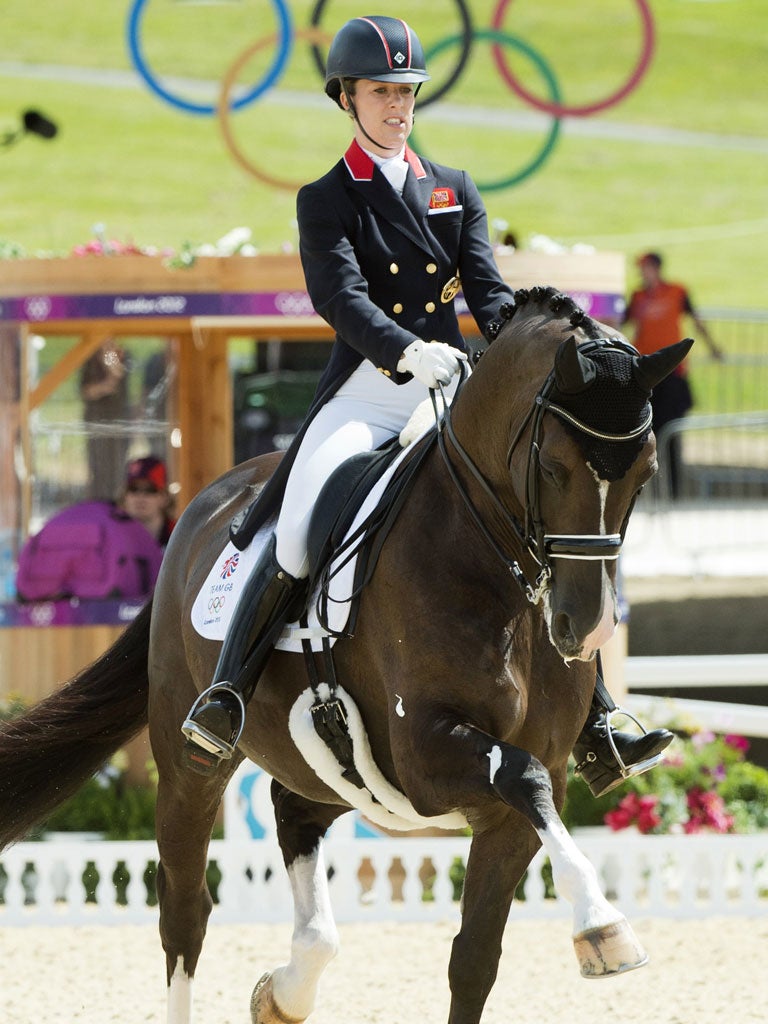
x=199, y=308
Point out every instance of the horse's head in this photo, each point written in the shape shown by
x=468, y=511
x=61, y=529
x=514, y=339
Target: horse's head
x=579, y=448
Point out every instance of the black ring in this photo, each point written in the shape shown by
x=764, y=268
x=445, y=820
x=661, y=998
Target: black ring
x=467, y=36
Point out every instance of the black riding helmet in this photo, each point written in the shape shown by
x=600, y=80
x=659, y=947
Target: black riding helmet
x=378, y=48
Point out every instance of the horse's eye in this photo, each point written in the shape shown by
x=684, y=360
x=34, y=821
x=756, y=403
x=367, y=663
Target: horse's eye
x=553, y=472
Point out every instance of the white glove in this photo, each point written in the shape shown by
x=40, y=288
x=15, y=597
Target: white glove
x=431, y=361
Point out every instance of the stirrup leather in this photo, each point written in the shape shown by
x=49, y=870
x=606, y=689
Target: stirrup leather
x=204, y=738
x=627, y=771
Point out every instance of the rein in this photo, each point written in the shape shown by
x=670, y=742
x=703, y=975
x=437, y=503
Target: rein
x=445, y=426
x=541, y=546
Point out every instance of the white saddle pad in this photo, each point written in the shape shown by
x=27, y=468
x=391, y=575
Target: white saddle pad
x=215, y=604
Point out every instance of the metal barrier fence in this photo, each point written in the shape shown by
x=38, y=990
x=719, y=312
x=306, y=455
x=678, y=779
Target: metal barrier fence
x=397, y=879
x=721, y=446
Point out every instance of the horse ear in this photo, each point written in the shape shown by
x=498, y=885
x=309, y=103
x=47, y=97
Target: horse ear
x=651, y=369
x=573, y=373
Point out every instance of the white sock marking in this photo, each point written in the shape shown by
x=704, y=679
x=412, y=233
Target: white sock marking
x=575, y=880
x=315, y=940
x=180, y=996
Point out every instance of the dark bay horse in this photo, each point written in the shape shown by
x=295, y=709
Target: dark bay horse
x=471, y=667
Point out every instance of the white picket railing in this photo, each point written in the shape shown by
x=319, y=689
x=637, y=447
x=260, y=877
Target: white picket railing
x=404, y=878
x=696, y=671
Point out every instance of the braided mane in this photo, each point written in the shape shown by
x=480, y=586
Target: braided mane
x=614, y=403
x=550, y=300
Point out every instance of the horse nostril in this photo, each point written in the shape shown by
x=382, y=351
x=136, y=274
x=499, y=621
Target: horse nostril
x=562, y=629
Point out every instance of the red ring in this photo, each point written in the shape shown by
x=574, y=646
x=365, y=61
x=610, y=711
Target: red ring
x=561, y=109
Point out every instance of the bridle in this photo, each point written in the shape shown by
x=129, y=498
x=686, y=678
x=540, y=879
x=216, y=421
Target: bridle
x=541, y=546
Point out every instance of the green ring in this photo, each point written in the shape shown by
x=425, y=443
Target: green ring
x=497, y=36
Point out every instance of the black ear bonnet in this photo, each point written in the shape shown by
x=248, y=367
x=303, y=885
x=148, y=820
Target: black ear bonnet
x=608, y=398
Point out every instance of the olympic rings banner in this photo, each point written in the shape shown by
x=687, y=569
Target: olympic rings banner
x=281, y=42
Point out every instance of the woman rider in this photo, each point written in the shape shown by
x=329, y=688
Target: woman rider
x=385, y=238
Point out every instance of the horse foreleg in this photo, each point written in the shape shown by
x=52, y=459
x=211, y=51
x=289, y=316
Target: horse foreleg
x=287, y=994
x=470, y=768
x=603, y=939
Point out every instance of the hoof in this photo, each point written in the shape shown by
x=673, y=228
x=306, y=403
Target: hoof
x=264, y=1009
x=610, y=950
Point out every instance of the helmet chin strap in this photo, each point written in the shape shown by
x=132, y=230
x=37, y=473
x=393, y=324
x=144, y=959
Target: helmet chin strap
x=352, y=109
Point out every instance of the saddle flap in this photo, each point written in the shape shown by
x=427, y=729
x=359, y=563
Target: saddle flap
x=340, y=499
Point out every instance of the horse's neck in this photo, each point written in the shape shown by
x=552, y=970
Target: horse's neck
x=500, y=393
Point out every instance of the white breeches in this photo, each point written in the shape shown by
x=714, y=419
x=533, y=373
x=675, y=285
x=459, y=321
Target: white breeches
x=367, y=410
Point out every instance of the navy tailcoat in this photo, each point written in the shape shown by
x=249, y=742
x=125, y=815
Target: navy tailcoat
x=377, y=265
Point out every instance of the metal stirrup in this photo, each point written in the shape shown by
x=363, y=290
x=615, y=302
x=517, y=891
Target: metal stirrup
x=627, y=771
x=203, y=737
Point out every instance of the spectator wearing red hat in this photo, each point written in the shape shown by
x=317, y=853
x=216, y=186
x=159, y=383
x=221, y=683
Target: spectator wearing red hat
x=657, y=309
x=145, y=496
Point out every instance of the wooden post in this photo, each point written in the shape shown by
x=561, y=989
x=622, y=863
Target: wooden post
x=205, y=411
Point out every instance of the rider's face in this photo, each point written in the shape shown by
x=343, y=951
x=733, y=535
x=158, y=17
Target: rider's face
x=385, y=110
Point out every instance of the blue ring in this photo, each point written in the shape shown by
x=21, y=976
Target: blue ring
x=267, y=81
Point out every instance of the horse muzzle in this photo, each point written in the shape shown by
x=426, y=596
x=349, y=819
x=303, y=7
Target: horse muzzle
x=580, y=616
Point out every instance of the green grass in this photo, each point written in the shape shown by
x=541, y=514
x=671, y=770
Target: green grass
x=161, y=177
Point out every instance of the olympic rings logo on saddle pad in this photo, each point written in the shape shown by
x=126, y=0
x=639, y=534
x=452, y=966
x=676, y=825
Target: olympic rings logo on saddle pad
x=462, y=42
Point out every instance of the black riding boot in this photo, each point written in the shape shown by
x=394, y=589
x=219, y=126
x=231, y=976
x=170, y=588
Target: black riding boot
x=605, y=757
x=216, y=719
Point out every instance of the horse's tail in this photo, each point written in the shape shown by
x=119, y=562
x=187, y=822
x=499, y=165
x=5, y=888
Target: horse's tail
x=51, y=750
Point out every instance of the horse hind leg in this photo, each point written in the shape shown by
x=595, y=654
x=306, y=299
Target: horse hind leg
x=186, y=811
x=287, y=994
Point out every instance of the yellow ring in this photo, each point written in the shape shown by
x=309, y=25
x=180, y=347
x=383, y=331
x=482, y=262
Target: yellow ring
x=314, y=35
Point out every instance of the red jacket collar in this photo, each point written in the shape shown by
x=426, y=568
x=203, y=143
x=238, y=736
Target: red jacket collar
x=360, y=165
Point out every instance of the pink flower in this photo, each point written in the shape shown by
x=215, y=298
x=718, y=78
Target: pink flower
x=702, y=739
x=618, y=819
x=634, y=810
x=647, y=818
x=707, y=810
x=737, y=742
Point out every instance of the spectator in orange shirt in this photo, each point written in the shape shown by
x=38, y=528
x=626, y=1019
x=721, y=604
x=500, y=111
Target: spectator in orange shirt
x=656, y=310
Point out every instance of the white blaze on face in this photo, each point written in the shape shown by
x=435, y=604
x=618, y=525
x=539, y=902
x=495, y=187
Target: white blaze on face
x=605, y=628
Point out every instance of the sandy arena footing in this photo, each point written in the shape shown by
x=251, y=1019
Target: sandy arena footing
x=701, y=972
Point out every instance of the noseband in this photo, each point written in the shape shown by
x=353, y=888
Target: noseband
x=541, y=546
